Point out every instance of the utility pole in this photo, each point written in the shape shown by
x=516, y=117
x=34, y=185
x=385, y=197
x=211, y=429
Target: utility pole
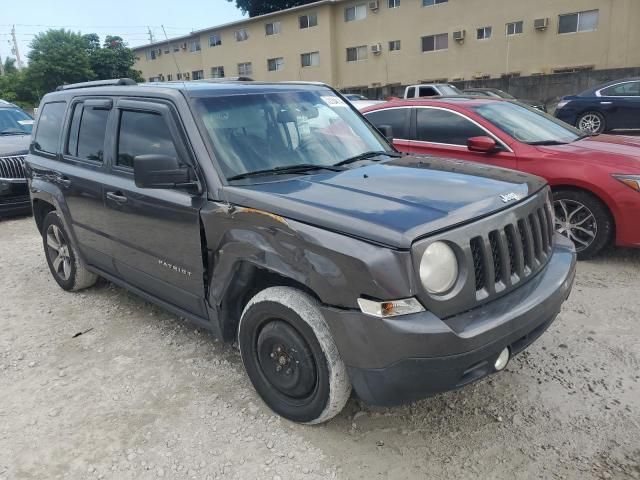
x=151, y=37
x=15, y=50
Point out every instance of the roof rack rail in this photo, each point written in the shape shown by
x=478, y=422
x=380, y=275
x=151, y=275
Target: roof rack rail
x=224, y=79
x=98, y=83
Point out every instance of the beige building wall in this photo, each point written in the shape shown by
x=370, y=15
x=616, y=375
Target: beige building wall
x=614, y=44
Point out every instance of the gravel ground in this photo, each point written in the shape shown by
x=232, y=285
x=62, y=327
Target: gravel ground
x=141, y=394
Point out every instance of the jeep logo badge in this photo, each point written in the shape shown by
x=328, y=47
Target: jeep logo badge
x=510, y=197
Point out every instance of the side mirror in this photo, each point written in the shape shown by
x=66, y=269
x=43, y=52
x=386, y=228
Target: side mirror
x=160, y=171
x=482, y=144
x=387, y=131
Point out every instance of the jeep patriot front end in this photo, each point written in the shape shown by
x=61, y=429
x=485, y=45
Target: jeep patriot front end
x=276, y=215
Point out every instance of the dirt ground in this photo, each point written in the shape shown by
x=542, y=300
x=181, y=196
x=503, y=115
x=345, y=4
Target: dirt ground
x=142, y=394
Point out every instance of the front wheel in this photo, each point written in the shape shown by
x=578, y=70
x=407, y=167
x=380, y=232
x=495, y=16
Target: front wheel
x=583, y=219
x=591, y=122
x=290, y=356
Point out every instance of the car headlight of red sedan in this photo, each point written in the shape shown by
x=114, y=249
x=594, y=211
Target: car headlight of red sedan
x=632, y=181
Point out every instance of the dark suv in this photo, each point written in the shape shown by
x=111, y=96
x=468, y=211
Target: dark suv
x=15, y=132
x=275, y=214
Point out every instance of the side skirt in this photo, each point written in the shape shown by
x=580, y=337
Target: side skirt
x=210, y=324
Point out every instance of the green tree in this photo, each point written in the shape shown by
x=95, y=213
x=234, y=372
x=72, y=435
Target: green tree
x=113, y=60
x=58, y=57
x=260, y=7
x=9, y=66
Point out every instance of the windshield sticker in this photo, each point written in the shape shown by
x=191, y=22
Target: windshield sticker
x=25, y=122
x=333, y=101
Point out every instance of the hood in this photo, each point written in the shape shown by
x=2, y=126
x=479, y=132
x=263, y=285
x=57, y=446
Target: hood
x=619, y=152
x=391, y=203
x=11, y=145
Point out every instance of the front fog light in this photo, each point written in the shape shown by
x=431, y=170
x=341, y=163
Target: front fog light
x=392, y=308
x=502, y=360
x=438, y=268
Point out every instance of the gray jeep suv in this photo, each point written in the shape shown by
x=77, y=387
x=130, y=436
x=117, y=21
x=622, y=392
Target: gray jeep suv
x=275, y=214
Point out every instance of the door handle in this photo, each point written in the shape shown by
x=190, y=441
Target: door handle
x=64, y=181
x=117, y=197
x=606, y=103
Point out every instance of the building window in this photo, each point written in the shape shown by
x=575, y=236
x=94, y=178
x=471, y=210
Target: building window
x=394, y=3
x=179, y=76
x=275, y=64
x=245, y=69
x=176, y=48
x=356, y=12
x=355, y=54
x=272, y=28
x=194, y=46
x=429, y=3
x=515, y=28
x=217, y=72
x=197, y=74
x=308, y=21
x=169, y=77
x=311, y=59
x=394, y=45
x=151, y=54
x=167, y=51
x=241, y=34
x=484, y=33
x=431, y=43
x=578, y=22
x=215, y=39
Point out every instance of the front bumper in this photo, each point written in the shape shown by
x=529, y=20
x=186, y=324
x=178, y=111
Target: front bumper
x=393, y=361
x=14, y=198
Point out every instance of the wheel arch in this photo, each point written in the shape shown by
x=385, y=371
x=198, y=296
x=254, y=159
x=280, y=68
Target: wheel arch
x=40, y=210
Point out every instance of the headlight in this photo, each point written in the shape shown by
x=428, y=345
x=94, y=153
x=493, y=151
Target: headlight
x=438, y=268
x=632, y=181
x=561, y=104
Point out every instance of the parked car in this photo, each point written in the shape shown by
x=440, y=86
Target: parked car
x=595, y=179
x=275, y=215
x=354, y=96
x=15, y=132
x=497, y=93
x=431, y=90
x=611, y=106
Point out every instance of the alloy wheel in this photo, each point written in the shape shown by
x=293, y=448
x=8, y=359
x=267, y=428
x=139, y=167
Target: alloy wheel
x=590, y=123
x=59, y=252
x=576, y=222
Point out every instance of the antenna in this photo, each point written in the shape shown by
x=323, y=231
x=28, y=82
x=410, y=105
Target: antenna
x=173, y=53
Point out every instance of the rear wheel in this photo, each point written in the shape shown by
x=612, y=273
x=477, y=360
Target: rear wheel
x=290, y=356
x=62, y=256
x=591, y=122
x=583, y=219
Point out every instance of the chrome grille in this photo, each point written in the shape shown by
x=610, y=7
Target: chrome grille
x=12, y=167
x=507, y=256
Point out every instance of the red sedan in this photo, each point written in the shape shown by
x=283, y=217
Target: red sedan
x=595, y=178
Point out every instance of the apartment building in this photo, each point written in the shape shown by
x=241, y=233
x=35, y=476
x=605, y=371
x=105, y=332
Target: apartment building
x=388, y=43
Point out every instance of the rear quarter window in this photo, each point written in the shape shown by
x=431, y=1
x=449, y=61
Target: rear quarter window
x=49, y=127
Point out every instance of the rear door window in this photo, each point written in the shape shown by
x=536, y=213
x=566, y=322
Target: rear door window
x=442, y=126
x=87, y=130
x=49, y=127
x=396, y=118
x=143, y=133
x=427, y=92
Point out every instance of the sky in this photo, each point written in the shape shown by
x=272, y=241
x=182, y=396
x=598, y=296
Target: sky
x=126, y=18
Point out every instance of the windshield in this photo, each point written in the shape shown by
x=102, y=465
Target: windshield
x=255, y=132
x=528, y=125
x=14, y=121
x=449, y=90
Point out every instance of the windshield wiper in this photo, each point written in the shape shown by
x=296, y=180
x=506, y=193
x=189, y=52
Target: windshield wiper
x=365, y=155
x=301, y=168
x=13, y=132
x=547, y=142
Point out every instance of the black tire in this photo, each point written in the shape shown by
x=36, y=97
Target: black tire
x=290, y=356
x=589, y=214
x=591, y=122
x=62, y=256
